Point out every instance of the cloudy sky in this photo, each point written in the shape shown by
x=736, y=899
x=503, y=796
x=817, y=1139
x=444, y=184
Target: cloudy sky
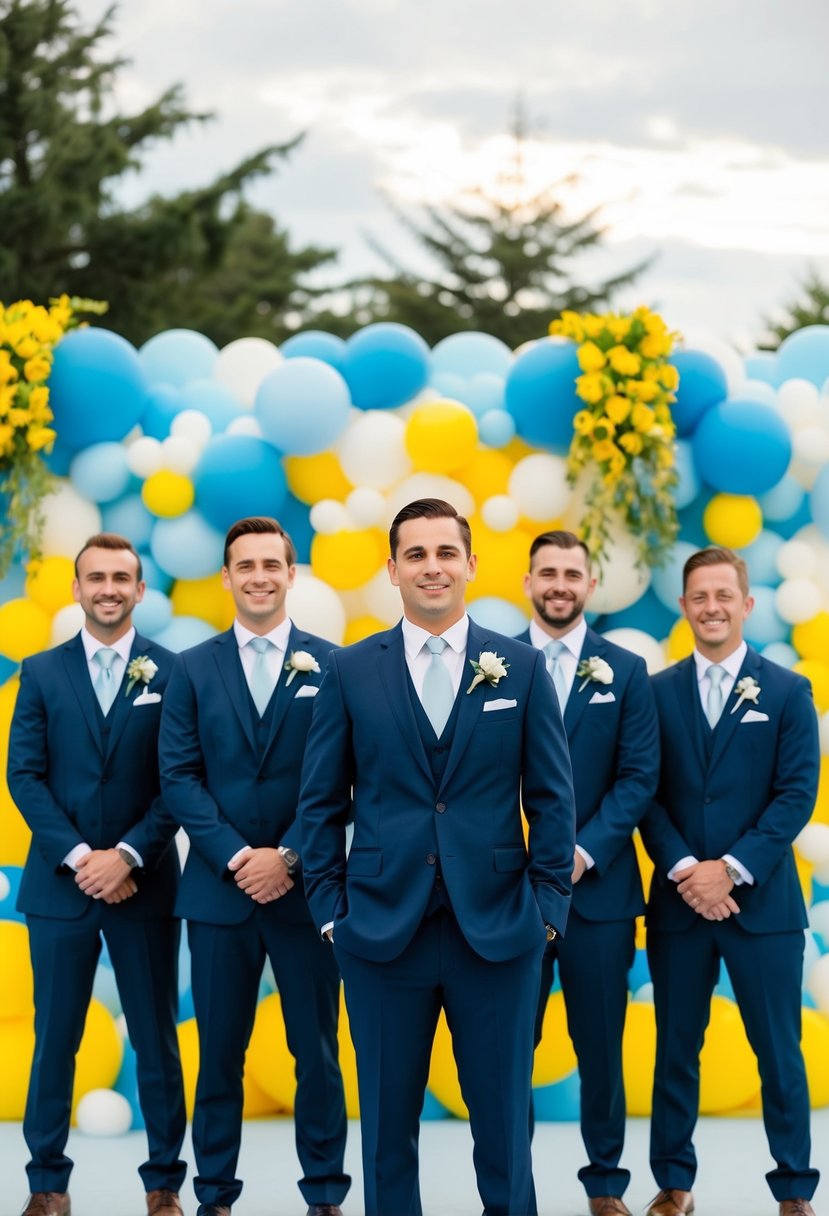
x=701, y=127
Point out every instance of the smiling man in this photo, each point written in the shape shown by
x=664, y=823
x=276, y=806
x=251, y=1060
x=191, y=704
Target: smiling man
x=429, y=736
x=740, y=763
x=233, y=734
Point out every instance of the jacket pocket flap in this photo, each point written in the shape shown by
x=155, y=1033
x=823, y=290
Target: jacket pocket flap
x=365, y=862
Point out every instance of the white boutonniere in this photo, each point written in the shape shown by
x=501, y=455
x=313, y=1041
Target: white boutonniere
x=748, y=690
x=489, y=667
x=300, y=662
x=595, y=669
x=140, y=671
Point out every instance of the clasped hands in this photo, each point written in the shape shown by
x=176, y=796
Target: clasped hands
x=262, y=874
x=706, y=888
x=103, y=874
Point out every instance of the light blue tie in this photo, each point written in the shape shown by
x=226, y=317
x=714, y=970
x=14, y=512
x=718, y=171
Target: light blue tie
x=105, y=683
x=438, y=693
x=553, y=651
x=713, y=708
x=261, y=680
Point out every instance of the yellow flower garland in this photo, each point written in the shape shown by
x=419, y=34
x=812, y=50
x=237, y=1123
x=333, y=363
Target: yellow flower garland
x=626, y=432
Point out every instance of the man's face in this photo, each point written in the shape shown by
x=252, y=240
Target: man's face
x=715, y=608
x=559, y=585
x=431, y=570
x=258, y=577
x=107, y=588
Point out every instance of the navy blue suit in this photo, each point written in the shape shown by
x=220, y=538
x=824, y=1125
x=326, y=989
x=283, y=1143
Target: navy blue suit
x=231, y=779
x=613, y=738
x=439, y=902
x=746, y=789
x=78, y=777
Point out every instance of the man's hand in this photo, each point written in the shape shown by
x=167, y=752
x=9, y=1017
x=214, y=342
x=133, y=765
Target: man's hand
x=125, y=891
x=722, y=911
x=103, y=872
x=262, y=874
x=579, y=867
x=705, y=886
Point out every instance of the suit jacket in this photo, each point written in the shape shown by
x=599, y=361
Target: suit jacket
x=365, y=756
x=613, y=738
x=75, y=782
x=223, y=791
x=750, y=800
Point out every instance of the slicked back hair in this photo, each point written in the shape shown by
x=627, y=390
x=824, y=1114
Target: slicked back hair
x=113, y=542
x=429, y=508
x=561, y=540
x=259, y=525
x=716, y=555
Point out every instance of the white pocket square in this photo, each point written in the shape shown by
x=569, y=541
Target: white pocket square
x=601, y=698
x=148, y=698
x=754, y=715
x=501, y=703
x=307, y=690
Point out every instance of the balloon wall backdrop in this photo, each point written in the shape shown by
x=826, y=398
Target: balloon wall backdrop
x=171, y=443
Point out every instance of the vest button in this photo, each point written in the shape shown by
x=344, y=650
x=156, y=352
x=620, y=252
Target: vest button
x=707, y=799
x=440, y=808
x=430, y=859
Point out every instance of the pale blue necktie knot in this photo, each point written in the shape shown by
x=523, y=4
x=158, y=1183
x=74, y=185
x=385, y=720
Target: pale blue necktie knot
x=716, y=699
x=105, y=686
x=261, y=680
x=554, y=650
x=438, y=693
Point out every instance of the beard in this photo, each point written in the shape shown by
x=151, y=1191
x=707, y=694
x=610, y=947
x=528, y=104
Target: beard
x=571, y=610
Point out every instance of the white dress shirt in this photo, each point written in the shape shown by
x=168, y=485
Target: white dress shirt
x=418, y=655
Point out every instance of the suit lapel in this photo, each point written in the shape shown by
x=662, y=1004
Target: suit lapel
x=230, y=669
x=122, y=705
x=730, y=717
x=577, y=702
x=392, y=668
x=686, y=688
x=470, y=706
x=77, y=668
x=285, y=693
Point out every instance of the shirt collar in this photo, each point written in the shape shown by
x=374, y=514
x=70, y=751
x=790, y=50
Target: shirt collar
x=572, y=641
x=732, y=663
x=122, y=647
x=278, y=636
x=414, y=637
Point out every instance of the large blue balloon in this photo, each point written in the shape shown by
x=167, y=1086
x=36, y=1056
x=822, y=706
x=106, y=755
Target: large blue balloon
x=295, y=518
x=666, y=581
x=154, y=613
x=541, y=393
x=820, y=501
x=804, y=355
x=742, y=447
x=129, y=517
x=469, y=354
x=648, y=614
x=187, y=547
x=491, y=612
x=184, y=632
x=764, y=625
x=162, y=405
x=101, y=472
x=303, y=406
x=214, y=400
x=178, y=356
x=702, y=384
x=385, y=365
x=315, y=344
x=98, y=388
x=762, y=365
x=238, y=475
x=558, y=1103
x=761, y=558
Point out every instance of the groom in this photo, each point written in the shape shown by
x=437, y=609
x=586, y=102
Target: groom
x=430, y=736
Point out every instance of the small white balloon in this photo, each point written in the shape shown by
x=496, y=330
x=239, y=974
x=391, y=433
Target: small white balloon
x=797, y=401
x=144, y=456
x=817, y=983
x=644, y=994
x=641, y=643
x=192, y=425
x=70, y=519
x=812, y=843
x=430, y=485
x=500, y=513
x=5, y=886
x=242, y=365
x=66, y=622
x=329, y=516
x=622, y=582
x=798, y=599
x=824, y=734
x=316, y=607
x=245, y=424
x=179, y=455
x=102, y=1112
x=367, y=507
x=796, y=559
x=372, y=449
x=538, y=484
x=819, y=918
x=382, y=599
x=810, y=444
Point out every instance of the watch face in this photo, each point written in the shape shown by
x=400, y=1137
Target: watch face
x=290, y=857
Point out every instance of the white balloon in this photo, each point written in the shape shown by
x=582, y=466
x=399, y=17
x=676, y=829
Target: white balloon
x=644, y=994
x=382, y=598
x=812, y=843
x=372, y=450
x=538, y=483
x=102, y=1112
x=820, y=546
x=798, y=599
x=430, y=485
x=641, y=643
x=796, y=559
x=245, y=424
x=728, y=358
x=824, y=734
x=797, y=401
x=179, y=455
x=817, y=983
x=5, y=886
x=66, y=623
x=243, y=365
x=500, y=513
x=367, y=507
x=315, y=606
x=70, y=520
x=329, y=516
x=810, y=444
x=192, y=425
x=622, y=582
x=144, y=456
x=819, y=918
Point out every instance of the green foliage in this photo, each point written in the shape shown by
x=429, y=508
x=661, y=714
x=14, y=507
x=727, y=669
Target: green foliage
x=812, y=308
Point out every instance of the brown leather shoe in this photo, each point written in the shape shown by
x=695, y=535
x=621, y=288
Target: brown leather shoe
x=796, y=1207
x=607, y=1205
x=325, y=1209
x=164, y=1202
x=671, y=1202
x=48, y=1203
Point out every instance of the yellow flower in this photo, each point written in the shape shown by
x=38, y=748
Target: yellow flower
x=590, y=357
x=39, y=404
x=7, y=396
x=604, y=428
x=590, y=387
x=619, y=327
x=617, y=408
x=45, y=328
x=654, y=346
x=37, y=368
x=632, y=443
x=642, y=418
x=583, y=422
x=603, y=450
x=624, y=361
x=665, y=457
x=669, y=377
x=6, y=438
x=39, y=437
x=18, y=417
x=593, y=325
x=27, y=346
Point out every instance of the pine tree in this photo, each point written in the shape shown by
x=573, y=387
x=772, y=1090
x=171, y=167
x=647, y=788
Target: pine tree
x=812, y=308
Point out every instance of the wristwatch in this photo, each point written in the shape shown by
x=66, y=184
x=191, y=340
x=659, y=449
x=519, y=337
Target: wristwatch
x=551, y=933
x=733, y=874
x=128, y=857
x=290, y=857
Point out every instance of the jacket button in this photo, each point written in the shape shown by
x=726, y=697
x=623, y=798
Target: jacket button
x=430, y=859
x=707, y=799
x=440, y=808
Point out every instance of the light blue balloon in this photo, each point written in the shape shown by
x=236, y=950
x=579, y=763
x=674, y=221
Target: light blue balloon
x=559, y=1103
x=471, y=353
x=187, y=547
x=761, y=557
x=432, y=1109
x=783, y=501
x=154, y=577
x=101, y=472
x=764, y=626
x=762, y=365
x=162, y=405
x=639, y=972
x=214, y=400
x=13, y=586
x=742, y=447
x=491, y=612
x=496, y=428
x=8, y=911
x=781, y=653
x=484, y=392
x=540, y=393
x=666, y=581
x=689, y=484
x=315, y=344
x=385, y=365
x=303, y=406
x=648, y=614
x=153, y=614
x=184, y=632
x=97, y=388
x=804, y=355
x=129, y=517
x=702, y=385
x=819, y=501
x=449, y=384
x=178, y=356
x=239, y=475
x=105, y=990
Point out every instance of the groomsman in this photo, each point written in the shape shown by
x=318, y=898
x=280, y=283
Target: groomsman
x=740, y=760
x=429, y=735
x=233, y=734
x=83, y=770
x=610, y=720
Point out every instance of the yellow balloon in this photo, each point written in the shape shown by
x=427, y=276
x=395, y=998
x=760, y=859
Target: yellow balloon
x=554, y=1056
x=680, y=640
x=346, y=560
x=168, y=494
x=639, y=1057
x=257, y=1104
x=311, y=478
x=734, y=520
x=50, y=583
x=25, y=628
x=646, y=866
x=188, y=1047
x=269, y=1061
x=348, y=1062
x=101, y=1052
x=205, y=598
x=517, y=449
x=814, y=1043
x=728, y=1066
x=17, y=1046
x=503, y=560
x=821, y=812
x=15, y=836
x=817, y=672
x=811, y=638
x=16, y=995
x=362, y=627
x=441, y=436
x=487, y=473
x=443, y=1073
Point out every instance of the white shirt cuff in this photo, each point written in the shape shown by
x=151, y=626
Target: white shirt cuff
x=745, y=875
x=239, y=853
x=588, y=860
x=682, y=864
x=328, y=925
x=73, y=857
x=122, y=844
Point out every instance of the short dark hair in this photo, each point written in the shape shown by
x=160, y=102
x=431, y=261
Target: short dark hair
x=429, y=508
x=259, y=525
x=716, y=555
x=113, y=542
x=561, y=540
